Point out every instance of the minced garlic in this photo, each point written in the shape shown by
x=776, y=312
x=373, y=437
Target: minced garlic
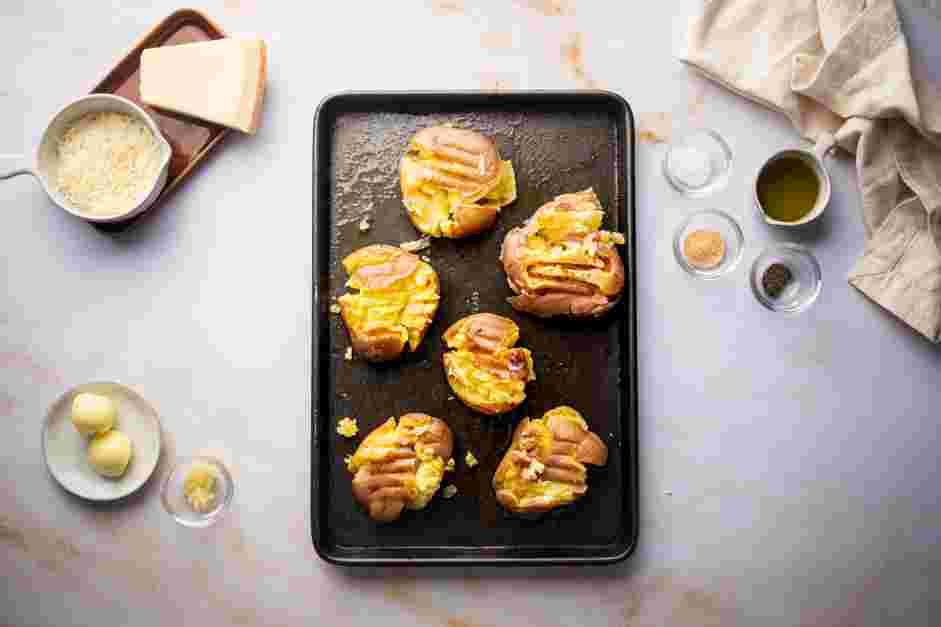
x=470, y=460
x=107, y=163
x=199, y=487
x=450, y=465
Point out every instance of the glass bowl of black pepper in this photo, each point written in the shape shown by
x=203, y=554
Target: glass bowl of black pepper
x=786, y=278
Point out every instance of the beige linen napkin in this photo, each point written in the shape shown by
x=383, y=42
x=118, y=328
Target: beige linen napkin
x=841, y=67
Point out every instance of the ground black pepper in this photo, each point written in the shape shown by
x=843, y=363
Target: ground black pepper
x=775, y=279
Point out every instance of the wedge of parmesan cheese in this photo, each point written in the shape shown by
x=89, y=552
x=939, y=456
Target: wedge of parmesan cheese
x=220, y=81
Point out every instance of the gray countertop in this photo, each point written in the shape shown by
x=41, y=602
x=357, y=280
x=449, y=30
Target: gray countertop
x=789, y=466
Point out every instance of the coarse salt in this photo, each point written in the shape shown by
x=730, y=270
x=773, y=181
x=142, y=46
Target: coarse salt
x=690, y=166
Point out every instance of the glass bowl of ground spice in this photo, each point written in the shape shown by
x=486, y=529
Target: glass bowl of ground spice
x=708, y=244
x=786, y=278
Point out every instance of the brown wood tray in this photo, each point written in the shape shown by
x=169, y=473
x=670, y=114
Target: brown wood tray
x=190, y=139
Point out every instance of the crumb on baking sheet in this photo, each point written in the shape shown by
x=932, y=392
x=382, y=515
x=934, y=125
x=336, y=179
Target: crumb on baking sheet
x=347, y=427
x=470, y=460
x=473, y=301
x=449, y=491
x=348, y=356
x=416, y=245
x=364, y=224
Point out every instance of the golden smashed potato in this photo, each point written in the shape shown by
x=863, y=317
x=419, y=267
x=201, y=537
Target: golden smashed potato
x=545, y=465
x=396, y=302
x=453, y=182
x=560, y=262
x=484, y=369
x=400, y=465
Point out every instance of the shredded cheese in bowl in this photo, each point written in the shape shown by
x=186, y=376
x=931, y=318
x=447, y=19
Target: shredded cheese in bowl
x=107, y=163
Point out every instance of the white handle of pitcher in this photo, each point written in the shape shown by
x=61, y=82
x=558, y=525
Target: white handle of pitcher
x=825, y=146
x=14, y=165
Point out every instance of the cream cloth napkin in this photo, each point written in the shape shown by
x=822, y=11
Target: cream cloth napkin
x=840, y=68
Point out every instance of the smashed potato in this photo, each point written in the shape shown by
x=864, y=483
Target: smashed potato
x=484, y=369
x=545, y=465
x=400, y=465
x=396, y=302
x=560, y=262
x=453, y=182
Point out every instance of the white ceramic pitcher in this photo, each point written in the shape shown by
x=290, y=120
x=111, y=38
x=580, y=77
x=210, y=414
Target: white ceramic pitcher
x=47, y=155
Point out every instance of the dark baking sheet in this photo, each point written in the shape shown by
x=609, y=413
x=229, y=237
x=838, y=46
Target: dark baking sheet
x=558, y=142
x=190, y=139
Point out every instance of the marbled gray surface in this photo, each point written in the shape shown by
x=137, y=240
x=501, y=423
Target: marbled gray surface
x=930, y=5
x=789, y=466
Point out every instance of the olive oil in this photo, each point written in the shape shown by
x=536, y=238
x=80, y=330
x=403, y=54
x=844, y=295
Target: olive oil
x=788, y=189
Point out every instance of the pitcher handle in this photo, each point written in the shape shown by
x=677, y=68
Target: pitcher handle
x=14, y=165
x=824, y=146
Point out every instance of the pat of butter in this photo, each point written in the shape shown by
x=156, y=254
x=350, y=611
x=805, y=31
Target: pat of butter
x=93, y=413
x=109, y=453
x=221, y=81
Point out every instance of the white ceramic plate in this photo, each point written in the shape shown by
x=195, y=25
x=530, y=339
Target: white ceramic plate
x=64, y=448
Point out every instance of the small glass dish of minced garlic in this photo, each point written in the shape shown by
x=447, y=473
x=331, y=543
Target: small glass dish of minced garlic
x=198, y=491
x=708, y=244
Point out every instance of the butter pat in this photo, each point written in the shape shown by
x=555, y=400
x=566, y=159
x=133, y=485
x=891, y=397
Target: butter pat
x=93, y=413
x=109, y=453
x=220, y=81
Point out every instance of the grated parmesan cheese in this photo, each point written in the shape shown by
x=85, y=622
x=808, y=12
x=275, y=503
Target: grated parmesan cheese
x=107, y=163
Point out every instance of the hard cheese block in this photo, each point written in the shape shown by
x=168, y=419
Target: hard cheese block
x=221, y=81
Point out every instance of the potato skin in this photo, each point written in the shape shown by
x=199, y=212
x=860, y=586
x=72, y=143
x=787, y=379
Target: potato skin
x=547, y=296
x=562, y=444
x=485, y=344
x=385, y=487
x=380, y=267
x=465, y=168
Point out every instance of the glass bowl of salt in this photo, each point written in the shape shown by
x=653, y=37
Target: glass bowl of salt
x=698, y=163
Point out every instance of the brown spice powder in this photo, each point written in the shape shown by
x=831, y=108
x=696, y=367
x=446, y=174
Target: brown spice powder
x=704, y=249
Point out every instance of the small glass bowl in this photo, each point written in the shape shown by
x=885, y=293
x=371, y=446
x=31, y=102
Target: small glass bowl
x=175, y=502
x=713, y=220
x=806, y=278
x=718, y=157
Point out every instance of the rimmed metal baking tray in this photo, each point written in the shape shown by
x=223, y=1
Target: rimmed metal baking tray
x=559, y=142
